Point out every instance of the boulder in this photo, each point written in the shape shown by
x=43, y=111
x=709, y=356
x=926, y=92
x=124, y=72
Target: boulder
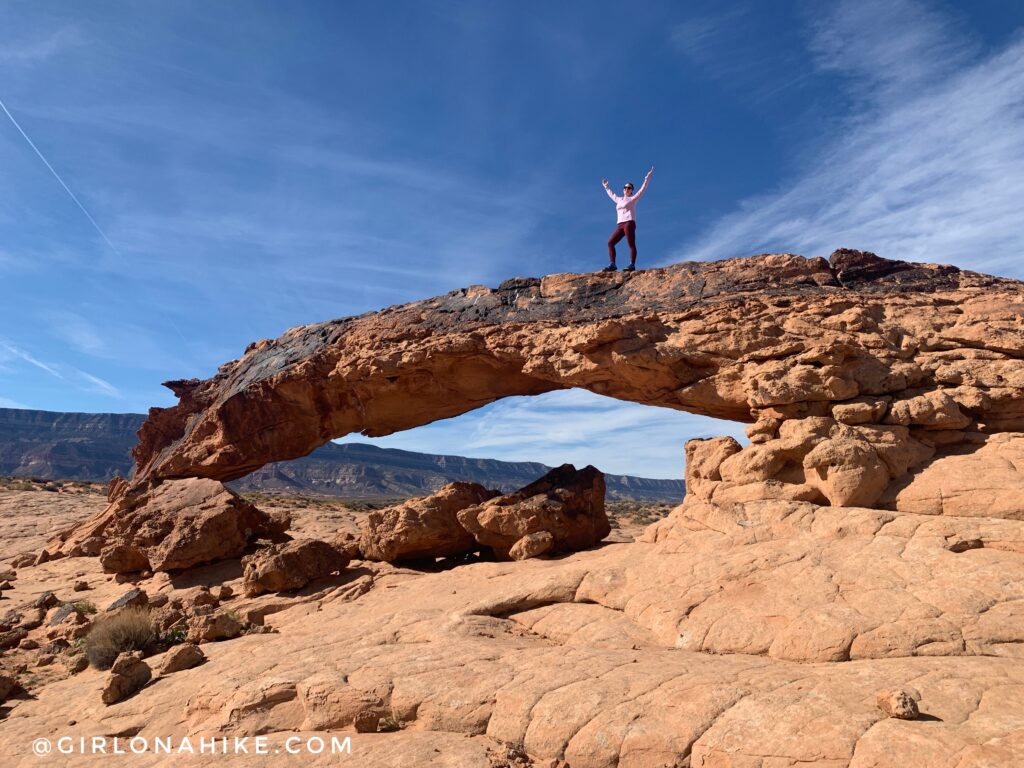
x=183, y=656
x=8, y=684
x=179, y=524
x=566, y=503
x=424, y=527
x=133, y=597
x=900, y=703
x=210, y=627
x=128, y=675
x=283, y=567
x=532, y=545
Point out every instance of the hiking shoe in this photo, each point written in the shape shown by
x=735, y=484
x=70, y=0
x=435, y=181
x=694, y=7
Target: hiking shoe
x=630, y=268
x=610, y=268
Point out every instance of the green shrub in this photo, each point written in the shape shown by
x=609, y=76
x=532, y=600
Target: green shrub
x=128, y=630
x=85, y=606
x=173, y=636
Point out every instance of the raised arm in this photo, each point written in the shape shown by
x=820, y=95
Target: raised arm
x=604, y=183
x=643, y=187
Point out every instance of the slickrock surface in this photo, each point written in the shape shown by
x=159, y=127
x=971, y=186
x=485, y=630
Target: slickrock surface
x=720, y=639
x=866, y=549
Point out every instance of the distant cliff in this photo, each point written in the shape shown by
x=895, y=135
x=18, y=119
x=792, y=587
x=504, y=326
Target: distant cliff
x=96, y=446
x=67, y=446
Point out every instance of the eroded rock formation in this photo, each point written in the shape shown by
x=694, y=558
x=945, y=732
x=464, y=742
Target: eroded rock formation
x=866, y=381
x=560, y=512
x=425, y=527
x=175, y=525
x=763, y=340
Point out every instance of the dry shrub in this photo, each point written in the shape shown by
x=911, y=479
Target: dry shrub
x=130, y=629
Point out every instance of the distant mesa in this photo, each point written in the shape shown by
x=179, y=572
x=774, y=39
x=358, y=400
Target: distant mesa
x=97, y=446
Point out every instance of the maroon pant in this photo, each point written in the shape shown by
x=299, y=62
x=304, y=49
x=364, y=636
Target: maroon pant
x=625, y=229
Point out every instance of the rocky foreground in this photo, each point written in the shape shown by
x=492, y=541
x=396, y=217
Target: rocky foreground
x=847, y=590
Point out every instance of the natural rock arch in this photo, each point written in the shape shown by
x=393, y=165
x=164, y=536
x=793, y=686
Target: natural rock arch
x=733, y=339
x=856, y=373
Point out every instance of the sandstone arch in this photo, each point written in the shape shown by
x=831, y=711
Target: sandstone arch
x=857, y=374
x=774, y=336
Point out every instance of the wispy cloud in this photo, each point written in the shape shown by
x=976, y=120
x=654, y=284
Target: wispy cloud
x=82, y=380
x=99, y=386
x=6, y=402
x=13, y=351
x=929, y=168
x=727, y=45
x=39, y=48
x=76, y=331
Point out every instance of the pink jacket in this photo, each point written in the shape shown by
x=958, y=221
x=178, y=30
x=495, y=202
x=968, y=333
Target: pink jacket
x=625, y=207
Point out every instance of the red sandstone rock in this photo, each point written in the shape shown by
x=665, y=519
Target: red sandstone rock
x=424, y=527
x=176, y=525
x=900, y=703
x=565, y=503
x=183, y=656
x=282, y=567
x=127, y=676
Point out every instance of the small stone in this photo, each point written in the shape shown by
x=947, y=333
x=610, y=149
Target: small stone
x=133, y=597
x=366, y=721
x=159, y=600
x=92, y=546
x=81, y=586
x=531, y=545
x=203, y=596
x=44, y=660
x=12, y=638
x=5, y=585
x=63, y=613
x=75, y=664
x=184, y=656
x=28, y=644
x=899, y=703
x=8, y=683
x=220, y=626
x=42, y=557
x=45, y=600
x=225, y=592
x=57, y=646
x=34, y=620
x=128, y=674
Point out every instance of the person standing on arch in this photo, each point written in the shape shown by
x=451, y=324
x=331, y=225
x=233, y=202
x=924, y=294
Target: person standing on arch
x=625, y=208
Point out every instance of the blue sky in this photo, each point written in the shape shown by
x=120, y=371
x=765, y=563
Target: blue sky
x=251, y=166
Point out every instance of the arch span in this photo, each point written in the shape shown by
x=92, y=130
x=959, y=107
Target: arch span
x=771, y=337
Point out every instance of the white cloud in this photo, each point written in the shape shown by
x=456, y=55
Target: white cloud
x=930, y=168
x=8, y=351
x=6, y=402
x=39, y=48
x=100, y=386
x=76, y=331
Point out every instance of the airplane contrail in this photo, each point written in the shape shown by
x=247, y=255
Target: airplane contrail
x=58, y=178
